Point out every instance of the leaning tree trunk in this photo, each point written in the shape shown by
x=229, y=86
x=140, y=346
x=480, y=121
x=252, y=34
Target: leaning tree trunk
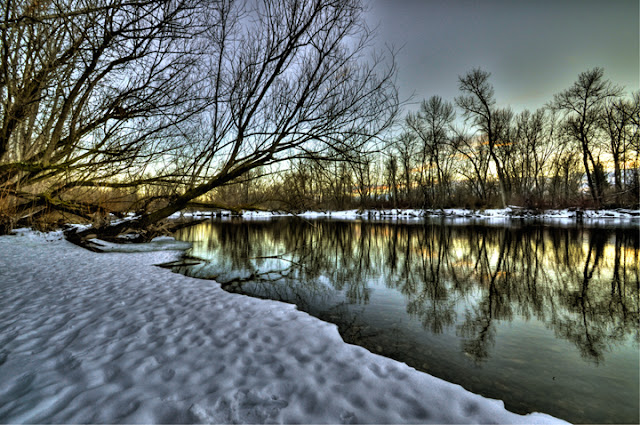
x=144, y=224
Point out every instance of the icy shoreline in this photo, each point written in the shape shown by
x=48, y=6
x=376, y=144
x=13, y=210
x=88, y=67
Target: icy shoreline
x=110, y=338
x=515, y=213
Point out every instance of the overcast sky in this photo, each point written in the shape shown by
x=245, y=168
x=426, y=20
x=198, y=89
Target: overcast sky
x=533, y=49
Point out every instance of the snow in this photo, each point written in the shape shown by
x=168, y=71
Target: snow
x=509, y=213
x=110, y=338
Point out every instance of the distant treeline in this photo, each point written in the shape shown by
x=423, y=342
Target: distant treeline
x=580, y=149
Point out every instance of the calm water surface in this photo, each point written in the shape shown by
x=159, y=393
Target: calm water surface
x=542, y=317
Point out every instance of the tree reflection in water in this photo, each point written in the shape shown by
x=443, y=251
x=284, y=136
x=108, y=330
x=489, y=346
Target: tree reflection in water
x=461, y=280
x=582, y=283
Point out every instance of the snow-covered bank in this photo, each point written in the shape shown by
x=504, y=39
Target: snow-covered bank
x=87, y=337
x=626, y=215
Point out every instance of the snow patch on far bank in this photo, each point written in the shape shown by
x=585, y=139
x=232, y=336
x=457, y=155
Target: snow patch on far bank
x=559, y=215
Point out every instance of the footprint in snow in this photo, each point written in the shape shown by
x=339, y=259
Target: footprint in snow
x=126, y=408
x=168, y=374
x=347, y=417
x=67, y=363
x=111, y=372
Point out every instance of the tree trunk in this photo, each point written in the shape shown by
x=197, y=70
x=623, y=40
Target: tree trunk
x=504, y=192
x=593, y=189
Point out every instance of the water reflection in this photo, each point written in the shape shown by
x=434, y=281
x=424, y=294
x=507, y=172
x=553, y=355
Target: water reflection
x=464, y=284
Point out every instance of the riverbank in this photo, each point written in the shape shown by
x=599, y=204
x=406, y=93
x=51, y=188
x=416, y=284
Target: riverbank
x=109, y=338
x=571, y=214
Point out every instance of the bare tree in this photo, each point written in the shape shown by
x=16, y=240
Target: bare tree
x=391, y=178
x=534, y=147
x=405, y=153
x=91, y=92
x=473, y=162
x=431, y=126
x=582, y=105
x=287, y=80
x=478, y=105
x=632, y=153
x=505, y=151
x=616, y=122
x=365, y=179
x=180, y=97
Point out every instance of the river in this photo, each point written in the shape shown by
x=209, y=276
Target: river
x=544, y=317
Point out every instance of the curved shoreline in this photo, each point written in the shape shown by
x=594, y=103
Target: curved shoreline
x=110, y=338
